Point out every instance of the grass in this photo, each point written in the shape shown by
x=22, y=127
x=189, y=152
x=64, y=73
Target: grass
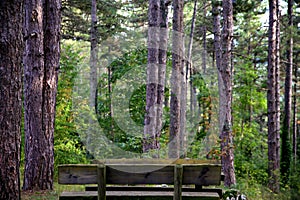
x=50, y=195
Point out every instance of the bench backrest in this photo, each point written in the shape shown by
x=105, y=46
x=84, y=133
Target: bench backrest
x=198, y=174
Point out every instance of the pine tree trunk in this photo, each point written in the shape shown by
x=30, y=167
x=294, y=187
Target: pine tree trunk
x=273, y=106
x=162, y=58
x=295, y=110
x=176, y=77
x=150, y=141
x=204, y=30
x=93, y=77
x=218, y=55
x=189, y=67
x=226, y=135
x=286, y=150
x=41, y=63
x=11, y=52
x=52, y=57
x=93, y=57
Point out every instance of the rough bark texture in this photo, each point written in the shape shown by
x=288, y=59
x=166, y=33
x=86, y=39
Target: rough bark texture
x=226, y=135
x=273, y=106
x=93, y=77
x=150, y=141
x=41, y=63
x=286, y=155
x=295, y=136
x=183, y=96
x=93, y=57
x=11, y=51
x=162, y=59
x=204, y=31
x=218, y=55
x=189, y=66
x=177, y=57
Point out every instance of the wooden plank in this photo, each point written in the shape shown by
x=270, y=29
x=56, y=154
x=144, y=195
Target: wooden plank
x=178, y=182
x=77, y=174
x=139, y=195
x=202, y=174
x=156, y=161
x=101, y=171
x=198, y=174
x=161, y=188
x=139, y=174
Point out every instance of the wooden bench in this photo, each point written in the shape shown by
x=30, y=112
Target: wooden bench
x=140, y=180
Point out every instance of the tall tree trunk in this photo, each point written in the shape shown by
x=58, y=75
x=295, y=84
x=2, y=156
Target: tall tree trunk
x=11, y=52
x=41, y=63
x=162, y=59
x=218, y=55
x=176, y=77
x=93, y=75
x=273, y=106
x=150, y=141
x=286, y=150
x=52, y=57
x=93, y=56
x=226, y=134
x=295, y=110
x=189, y=66
x=204, y=30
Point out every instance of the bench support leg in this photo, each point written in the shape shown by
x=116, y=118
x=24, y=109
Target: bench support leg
x=101, y=171
x=178, y=172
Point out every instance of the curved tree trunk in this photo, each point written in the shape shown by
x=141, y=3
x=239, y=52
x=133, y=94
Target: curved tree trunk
x=11, y=52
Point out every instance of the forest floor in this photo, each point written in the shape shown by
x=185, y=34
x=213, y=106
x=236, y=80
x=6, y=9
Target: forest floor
x=50, y=195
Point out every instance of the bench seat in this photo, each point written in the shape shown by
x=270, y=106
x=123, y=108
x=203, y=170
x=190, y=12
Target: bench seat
x=142, y=181
x=139, y=195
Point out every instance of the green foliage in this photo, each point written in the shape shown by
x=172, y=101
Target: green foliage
x=286, y=155
x=118, y=68
x=76, y=19
x=67, y=145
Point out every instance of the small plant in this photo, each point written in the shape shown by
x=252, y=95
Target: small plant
x=234, y=195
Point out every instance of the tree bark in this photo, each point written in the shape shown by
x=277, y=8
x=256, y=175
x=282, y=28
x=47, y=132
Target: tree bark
x=41, y=63
x=218, y=54
x=11, y=52
x=273, y=105
x=93, y=76
x=226, y=135
x=93, y=57
x=176, y=77
x=162, y=59
x=204, y=31
x=286, y=150
x=295, y=110
x=150, y=141
x=189, y=67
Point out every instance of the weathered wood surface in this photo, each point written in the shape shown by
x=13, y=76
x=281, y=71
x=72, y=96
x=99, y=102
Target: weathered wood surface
x=155, y=161
x=77, y=174
x=161, y=188
x=199, y=174
x=139, y=195
x=101, y=172
x=178, y=172
x=139, y=172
